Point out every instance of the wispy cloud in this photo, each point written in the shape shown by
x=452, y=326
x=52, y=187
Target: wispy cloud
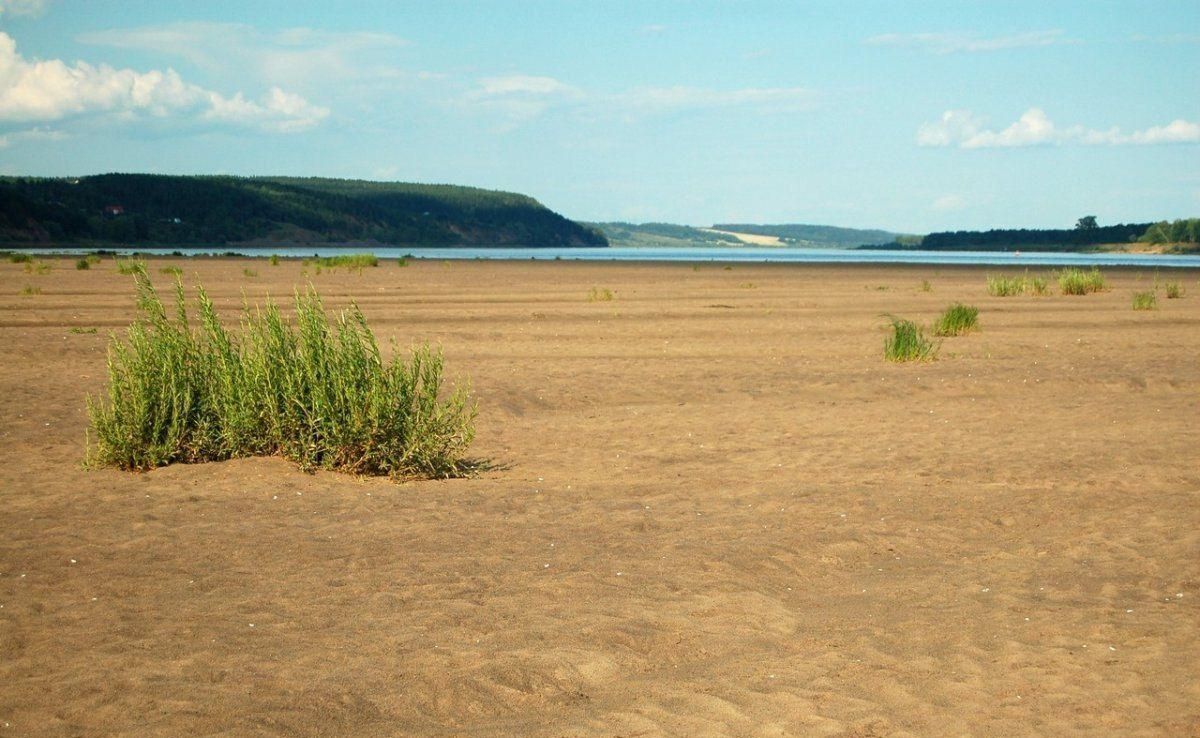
x=31, y=134
x=294, y=57
x=965, y=130
x=964, y=42
x=757, y=99
x=948, y=203
x=1167, y=39
x=50, y=90
x=23, y=7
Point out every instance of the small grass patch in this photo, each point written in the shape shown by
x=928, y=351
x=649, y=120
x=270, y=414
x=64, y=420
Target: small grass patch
x=81, y=331
x=925, y=286
x=402, y=261
x=1075, y=281
x=1174, y=290
x=600, y=294
x=274, y=260
x=1145, y=300
x=29, y=289
x=313, y=390
x=130, y=266
x=18, y=257
x=172, y=271
x=907, y=342
x=957, y=320
x=82, y=264
x=347, y=261
x=249, y=273
x=1005, y=285
x=38, y=267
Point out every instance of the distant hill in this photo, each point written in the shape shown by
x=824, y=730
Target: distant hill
x=661, y=235
x=1029, y=239
x=217, y=210
x=802, y=234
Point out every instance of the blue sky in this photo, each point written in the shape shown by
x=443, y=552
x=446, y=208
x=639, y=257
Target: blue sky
x=911, y=116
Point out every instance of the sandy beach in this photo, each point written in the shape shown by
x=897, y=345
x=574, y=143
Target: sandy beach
x=714, y=510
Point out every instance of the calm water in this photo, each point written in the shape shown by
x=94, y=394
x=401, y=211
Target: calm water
x=737, y=254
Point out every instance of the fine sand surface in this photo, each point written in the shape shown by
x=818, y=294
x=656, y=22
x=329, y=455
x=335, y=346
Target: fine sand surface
x=717, y=512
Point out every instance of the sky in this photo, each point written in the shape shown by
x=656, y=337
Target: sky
x=908, y=116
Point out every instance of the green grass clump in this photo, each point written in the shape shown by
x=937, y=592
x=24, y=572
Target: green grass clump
x=81, y=331
x=1009, y=286
x=957, y=320
x=29, y=289
x=402, y=261
x=130, y=266
x=83, y=264
x=37, y=267
x=600, y=294
x=18, y=257
x=249, y=273
x=1075, y=281
x=173, y=271
x=1145, y=300
x=1174, y=290
x=350, y=261
x=274, y=260
x=907, y=342
x=313, y=390
x=926, y=286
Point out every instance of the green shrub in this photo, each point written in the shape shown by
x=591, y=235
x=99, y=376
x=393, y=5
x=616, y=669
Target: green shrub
x=37, y=267
x=249, y=273
x=600, y=294
x=274, y=260
x=1075, y=281
x=957, y=320
x=1145, y=300
x=402, y=261
x=315, y=391
x=1174, y=290
x=907, y=342
x=83, y=264
x=18, y=257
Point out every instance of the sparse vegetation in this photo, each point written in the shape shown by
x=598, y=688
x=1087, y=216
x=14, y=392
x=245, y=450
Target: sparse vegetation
x=402, y=261
x=83, y=264
x=249, y=273
x=19, y=257
x=926, y=286
x=173, y=271
x=349, y=261
x=1075, y=281
x=130, y=266
x=314, y=390
x=1009, y=286
x=37, y=267
x=29, y=289
x=600, y=294
x=1145, y=300
x=1174, y=290
x=81, y=331
x=957, y=320
x=907, y=342
x=274, y=260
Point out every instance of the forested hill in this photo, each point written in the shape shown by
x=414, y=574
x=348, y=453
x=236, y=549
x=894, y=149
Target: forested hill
x=218, y=210
x=1030, y=239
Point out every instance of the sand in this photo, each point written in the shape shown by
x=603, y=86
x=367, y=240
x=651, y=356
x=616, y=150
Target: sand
x=753, y=239
x=716, y=512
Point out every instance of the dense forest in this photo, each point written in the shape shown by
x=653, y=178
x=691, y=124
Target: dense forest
x=1186, y=231
x=1085, y=236
x=802, y=234
x=218, y=210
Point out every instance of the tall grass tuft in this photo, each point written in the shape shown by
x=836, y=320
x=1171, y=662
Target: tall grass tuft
x=600, y=294
x=907, y=342
x=18, y=257
x=1075, y=281
x=274, y=260
x=83, y=264
x=37, y=267
x=130, y=266
x=1145, y=300
x=313, y=390
x=957, y=320
x=1010, y=286
x=1174, y=290
x=350, y=261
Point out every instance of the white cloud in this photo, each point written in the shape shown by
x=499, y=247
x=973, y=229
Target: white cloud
x=294, y=57
x=31, y=134
x=947, y=203
x=957, y=42
x=1168, y=39
x=522, y=84
x=23, y=7
x=964, y=129
x=49, y=90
